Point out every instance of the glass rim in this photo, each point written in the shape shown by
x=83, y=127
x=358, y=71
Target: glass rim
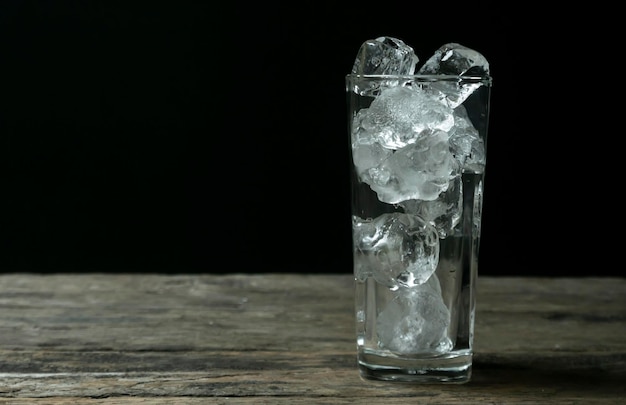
x=485, y=79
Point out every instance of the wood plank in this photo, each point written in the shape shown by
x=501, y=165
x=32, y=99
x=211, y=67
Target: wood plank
x=288, y=337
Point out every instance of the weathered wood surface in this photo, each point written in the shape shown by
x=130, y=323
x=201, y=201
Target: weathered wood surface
x=289, y=339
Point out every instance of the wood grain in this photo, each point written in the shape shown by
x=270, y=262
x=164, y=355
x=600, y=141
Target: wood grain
x=289, y=338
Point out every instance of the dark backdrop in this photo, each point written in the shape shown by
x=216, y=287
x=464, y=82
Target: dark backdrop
x=185, y=137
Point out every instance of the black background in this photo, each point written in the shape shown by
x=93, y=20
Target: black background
x=189, y=137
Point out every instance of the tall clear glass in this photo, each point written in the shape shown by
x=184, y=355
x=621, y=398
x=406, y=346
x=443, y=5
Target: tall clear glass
x=418, y=151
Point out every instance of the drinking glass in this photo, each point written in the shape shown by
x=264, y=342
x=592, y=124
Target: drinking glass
x=418, y=152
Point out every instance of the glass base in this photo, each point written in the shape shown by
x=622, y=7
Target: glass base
x=451, y=369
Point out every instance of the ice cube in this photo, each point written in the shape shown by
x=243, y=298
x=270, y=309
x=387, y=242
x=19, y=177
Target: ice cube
x=414, y=126
x=455, y=59
x=382, y=56
x=399, y=116
x=458, y=60
x=466, y=144
x=444, y=213
x=421, y=170
x=415, y=321
x=396, y=249
x=385, y=56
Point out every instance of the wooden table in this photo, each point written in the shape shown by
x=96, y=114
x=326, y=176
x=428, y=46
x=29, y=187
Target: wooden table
x=289, y=339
